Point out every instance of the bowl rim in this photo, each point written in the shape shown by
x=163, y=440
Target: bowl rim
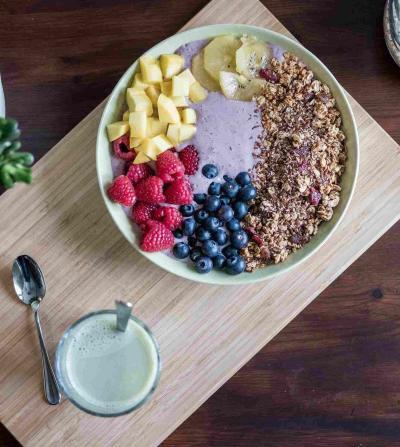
x=245, y=278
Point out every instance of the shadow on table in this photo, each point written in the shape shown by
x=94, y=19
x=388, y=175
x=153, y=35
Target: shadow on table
x=7, y=439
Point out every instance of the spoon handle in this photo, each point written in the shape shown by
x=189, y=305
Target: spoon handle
x=51, y=390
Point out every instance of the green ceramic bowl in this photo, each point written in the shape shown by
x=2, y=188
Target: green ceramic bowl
x=115, y=107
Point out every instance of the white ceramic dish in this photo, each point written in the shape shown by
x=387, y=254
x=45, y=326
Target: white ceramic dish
x=115, y=107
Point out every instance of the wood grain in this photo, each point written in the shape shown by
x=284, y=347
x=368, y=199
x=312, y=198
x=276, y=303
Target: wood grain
x=255, y=420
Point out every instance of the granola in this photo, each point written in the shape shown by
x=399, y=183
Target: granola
x=301, y=157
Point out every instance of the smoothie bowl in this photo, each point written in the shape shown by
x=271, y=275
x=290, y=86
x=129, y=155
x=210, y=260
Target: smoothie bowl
x=227, y=154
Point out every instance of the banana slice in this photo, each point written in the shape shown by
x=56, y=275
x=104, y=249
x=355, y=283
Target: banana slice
x=220, y=54
x=235, y=86
x=201, y=75
x=252, y=56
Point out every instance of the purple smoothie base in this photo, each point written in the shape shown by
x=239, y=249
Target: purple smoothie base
x=226, y=132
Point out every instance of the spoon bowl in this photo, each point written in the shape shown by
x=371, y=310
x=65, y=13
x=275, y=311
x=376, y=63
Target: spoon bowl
x=28, y=279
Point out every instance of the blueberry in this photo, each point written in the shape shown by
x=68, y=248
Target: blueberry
x=225, y=213
x=220, y=236
x=186, y=210
x=212, y=203
x=192, y=241
x=195, y=253
x=247, y=193
x=210, y=248
x=211, y=223
x=181, y=250
x=233, y=225
x=229, y=251
x=203, y=264
x=240, y=209
x=230, y=188
x=210, y=171
x=200, y=198
x=202, y=234
x=200, y=215
x=178, y=234
x=188, y=226
x=219, y=261
x=227, y=178
x=243, y=178
x=225, y=200
x=214, y=188
x=239, y=239
x=235, y=265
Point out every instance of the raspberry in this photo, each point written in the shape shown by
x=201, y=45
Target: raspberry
x=190, y=159
x=169, y=216
x=122, y=191
x=121, y=148
x=150, y=190
x=138, y=172
x=314, y=196
x=141, y=212
x=156, y=237
x=169, y=167
x=179, y=192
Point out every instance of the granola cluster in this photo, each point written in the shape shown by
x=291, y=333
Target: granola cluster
x=301, y=156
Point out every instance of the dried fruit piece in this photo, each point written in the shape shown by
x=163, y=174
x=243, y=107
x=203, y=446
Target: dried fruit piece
x=314, y=196
x=268, y=75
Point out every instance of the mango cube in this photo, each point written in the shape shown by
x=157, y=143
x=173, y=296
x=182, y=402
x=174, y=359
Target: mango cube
x=151, y=73
x=179, y=101
x=138, y=124
x=141, y=157
x=153, y=93
x=167, y=111
x=156, y=127
x=138, y=82
x=162, y=143
x=149, y=148
x=135, y=142
x=197, y=93
x=138, y=102
x=180, y=86
x=171, y=64
x=173, y=133
x=117, y=129
x=125, y=116
x=186, y=132
x=146, y=60
x=166, y=87
x=187, y=74
x=135, y=91
x=188, y=116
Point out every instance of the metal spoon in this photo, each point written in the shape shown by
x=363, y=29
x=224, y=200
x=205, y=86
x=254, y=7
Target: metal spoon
x=124, y=311
x=30, y=288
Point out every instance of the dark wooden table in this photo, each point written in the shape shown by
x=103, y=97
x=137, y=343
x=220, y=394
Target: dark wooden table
x=332, y=377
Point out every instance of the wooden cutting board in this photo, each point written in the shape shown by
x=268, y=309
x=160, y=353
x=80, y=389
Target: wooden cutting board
x=206, y=333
